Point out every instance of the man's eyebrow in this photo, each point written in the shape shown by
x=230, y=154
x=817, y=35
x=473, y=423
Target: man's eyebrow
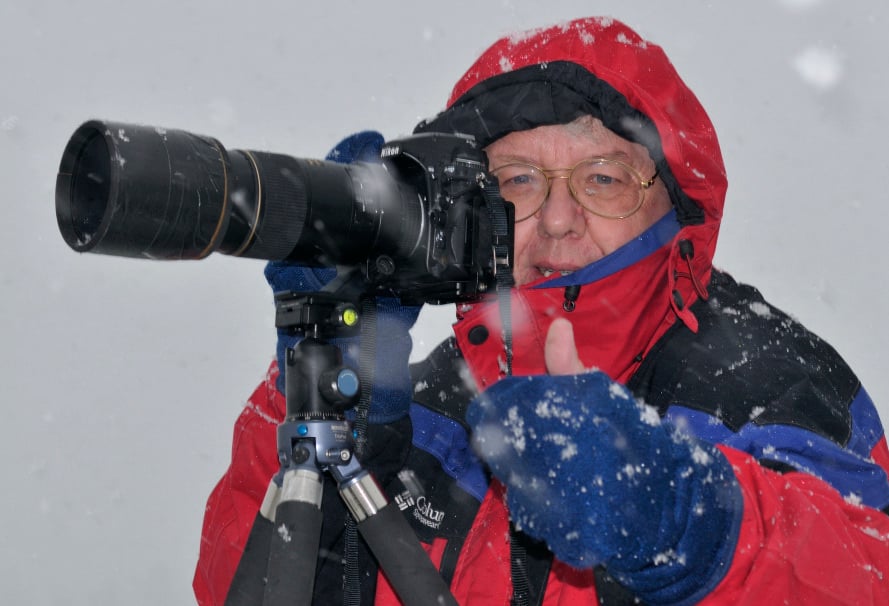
x=612, y=155
x=619, y=155
x=509, y=158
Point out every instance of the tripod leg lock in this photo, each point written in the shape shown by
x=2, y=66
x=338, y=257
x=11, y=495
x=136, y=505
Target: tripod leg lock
x=300, y=485
x=303, y=485
x=363, y=496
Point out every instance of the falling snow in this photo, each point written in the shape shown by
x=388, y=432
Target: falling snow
x=801, y=5
x=515, y=424
x=873, y=532
x=569, y=446
x=9, y=123
x=820, y=67
x=623, y=39
x=701, y=456
x=546, y=409
x=761, y=309
x=284, y=533
x=853, y=499
x=650, y=415
x=617, y=391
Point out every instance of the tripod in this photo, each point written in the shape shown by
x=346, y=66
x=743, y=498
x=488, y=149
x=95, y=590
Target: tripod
x=278, y=564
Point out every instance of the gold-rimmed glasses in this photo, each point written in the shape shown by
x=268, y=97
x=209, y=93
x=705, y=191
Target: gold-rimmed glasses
x=607, y=188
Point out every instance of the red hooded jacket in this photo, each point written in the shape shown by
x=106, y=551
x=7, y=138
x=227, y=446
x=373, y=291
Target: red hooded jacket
x=802, y=435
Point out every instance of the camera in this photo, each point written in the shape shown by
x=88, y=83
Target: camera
x=426, y=223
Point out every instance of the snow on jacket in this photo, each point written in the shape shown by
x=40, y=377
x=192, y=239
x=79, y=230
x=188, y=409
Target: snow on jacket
x=803, y=436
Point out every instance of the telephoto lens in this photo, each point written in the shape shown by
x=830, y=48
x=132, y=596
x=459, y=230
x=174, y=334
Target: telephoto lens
x=142, y=191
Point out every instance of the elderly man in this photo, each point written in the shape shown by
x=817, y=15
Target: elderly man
x=651, y=430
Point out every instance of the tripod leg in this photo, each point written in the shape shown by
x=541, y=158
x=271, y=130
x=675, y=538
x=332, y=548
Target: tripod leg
x=248, y=583
x=293, y=547
x=406, y=565
x=279, y=559
x=393, y=543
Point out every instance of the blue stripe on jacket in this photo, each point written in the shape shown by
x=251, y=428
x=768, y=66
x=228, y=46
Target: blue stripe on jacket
x=448, y=442
x=850, y=470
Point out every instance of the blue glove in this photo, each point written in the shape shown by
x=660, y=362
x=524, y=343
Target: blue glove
x=598, y=477
x=392, y=388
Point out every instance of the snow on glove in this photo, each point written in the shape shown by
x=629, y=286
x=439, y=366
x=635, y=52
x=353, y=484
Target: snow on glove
x=598, y=477
x=392, y=388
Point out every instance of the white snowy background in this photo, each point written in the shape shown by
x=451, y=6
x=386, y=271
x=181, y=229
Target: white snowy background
x=120, y=379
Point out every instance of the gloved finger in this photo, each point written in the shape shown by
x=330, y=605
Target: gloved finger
x=362, y=146
x=560, y=349
x=284, y=275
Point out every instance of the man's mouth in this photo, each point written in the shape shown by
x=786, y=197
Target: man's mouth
x=549, y=271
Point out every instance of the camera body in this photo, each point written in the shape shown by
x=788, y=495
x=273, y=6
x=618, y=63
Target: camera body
x=426, y=223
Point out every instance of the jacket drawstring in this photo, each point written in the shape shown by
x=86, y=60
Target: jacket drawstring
x=687, y=253
x=571, y=294
x=684, y=251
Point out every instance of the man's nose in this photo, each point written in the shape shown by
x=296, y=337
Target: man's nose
x=560, y=215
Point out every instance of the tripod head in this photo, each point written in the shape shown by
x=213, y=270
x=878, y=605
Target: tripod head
x=317, y=316
x=319, y=387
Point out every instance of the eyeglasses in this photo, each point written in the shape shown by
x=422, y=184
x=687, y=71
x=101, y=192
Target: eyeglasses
x=607, y=188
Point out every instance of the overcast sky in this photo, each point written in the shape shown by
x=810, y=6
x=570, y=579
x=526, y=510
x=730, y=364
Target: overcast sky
x=121, y=379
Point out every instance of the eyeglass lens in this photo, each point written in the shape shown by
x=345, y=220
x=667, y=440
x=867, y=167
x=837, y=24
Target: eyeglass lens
x=604, y=187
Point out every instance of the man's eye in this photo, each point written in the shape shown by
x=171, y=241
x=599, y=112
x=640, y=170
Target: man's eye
x=601, y=181
x=519, y=180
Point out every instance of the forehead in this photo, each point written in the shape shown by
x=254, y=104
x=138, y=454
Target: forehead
x=562, y=143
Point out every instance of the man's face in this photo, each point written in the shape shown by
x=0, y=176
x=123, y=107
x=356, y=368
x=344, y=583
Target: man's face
x=563, y=237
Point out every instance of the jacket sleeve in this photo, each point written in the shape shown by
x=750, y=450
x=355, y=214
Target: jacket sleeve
x=818, y=533
x=805, y=440
x=233, y=504
x=802, y=543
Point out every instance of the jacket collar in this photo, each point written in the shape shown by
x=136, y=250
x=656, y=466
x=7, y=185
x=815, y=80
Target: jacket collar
x=624, y=306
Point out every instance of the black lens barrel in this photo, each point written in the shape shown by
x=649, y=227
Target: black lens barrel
x=141, y=191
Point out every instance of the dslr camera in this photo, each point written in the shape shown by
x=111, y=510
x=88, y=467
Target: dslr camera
x=426, y=223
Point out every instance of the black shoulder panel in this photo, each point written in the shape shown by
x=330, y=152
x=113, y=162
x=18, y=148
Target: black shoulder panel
x=441, y=382
x=748, y=362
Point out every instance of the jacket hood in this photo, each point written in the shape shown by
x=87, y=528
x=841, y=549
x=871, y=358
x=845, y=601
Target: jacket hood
x=601, y=67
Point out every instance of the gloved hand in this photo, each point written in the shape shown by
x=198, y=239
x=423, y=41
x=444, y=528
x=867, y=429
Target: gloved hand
x=598, y=477
x=392, y=388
